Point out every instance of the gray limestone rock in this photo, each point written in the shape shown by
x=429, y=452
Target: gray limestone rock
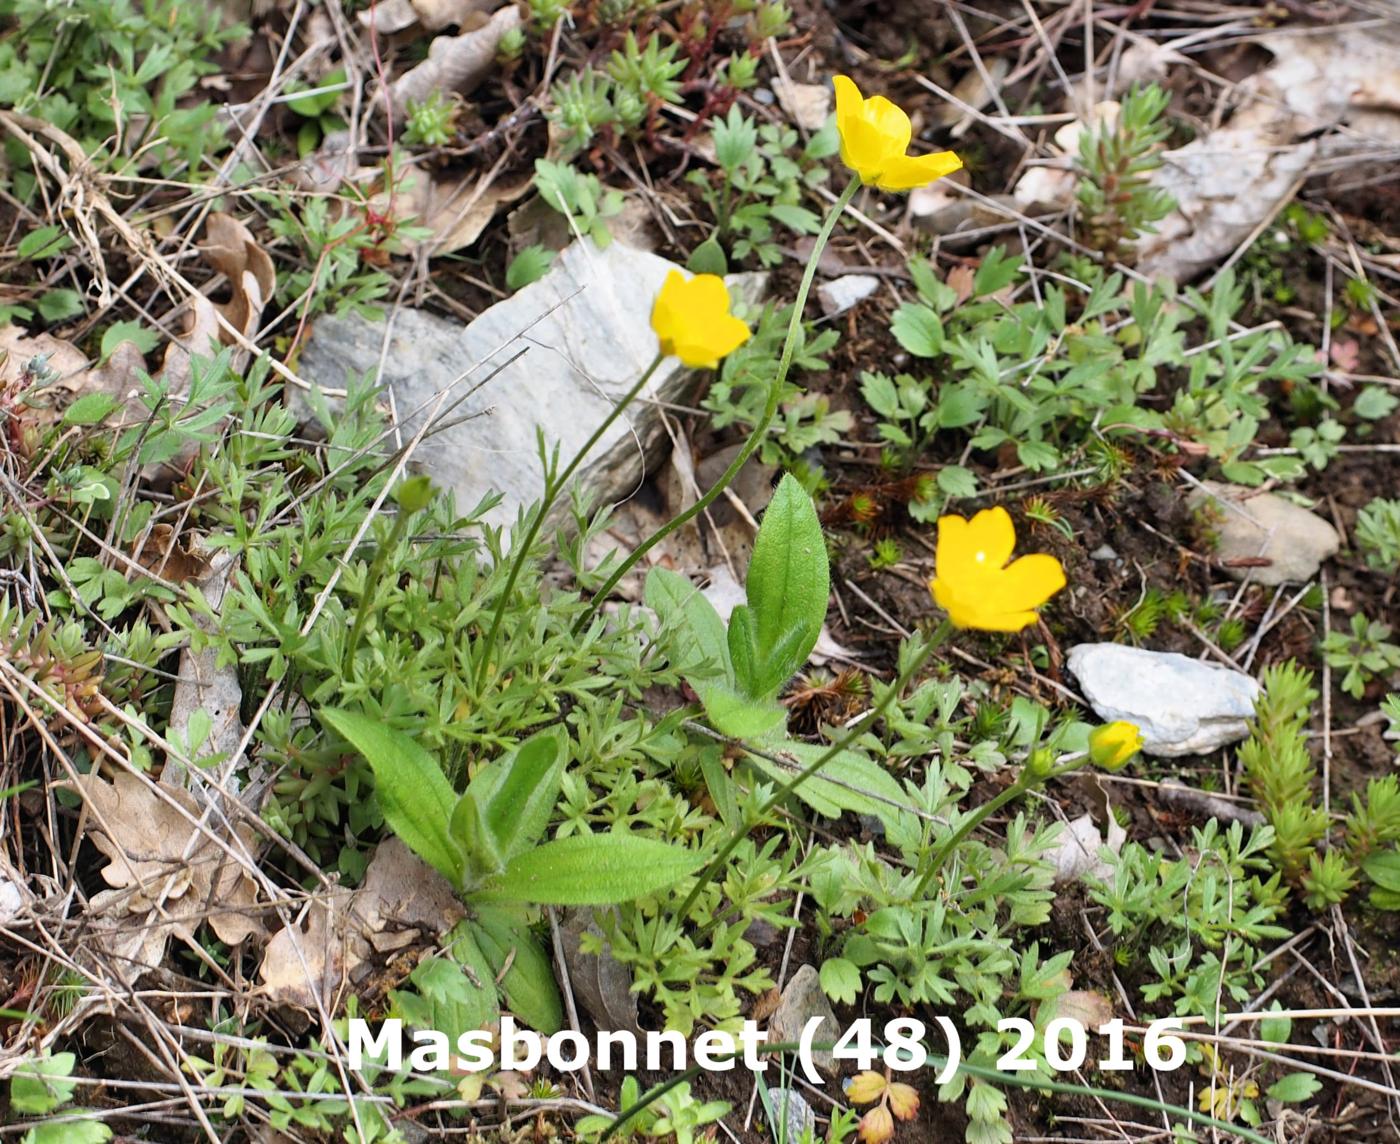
x=1253, y=526
x=554, y=357
x=802, y=999
x=1181, y=705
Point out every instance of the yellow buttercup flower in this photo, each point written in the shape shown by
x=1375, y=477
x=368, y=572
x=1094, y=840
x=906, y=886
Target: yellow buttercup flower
x=875, y=136
x=974, y=583
x=1113, y=744
x=691, y=318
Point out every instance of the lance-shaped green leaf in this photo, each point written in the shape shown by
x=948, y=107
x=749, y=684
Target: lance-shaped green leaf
x=788, y=584
x=414, y=794
x=591, y=870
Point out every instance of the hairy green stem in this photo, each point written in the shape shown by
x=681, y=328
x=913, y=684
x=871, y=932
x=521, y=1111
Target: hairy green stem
x=760, y=430
x=1027, y=780
x=553, y=485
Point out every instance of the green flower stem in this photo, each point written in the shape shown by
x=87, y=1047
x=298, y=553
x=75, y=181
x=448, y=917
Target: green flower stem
x=760, y=430
x=553, y=485
x=712, y=869
x=1027, y=780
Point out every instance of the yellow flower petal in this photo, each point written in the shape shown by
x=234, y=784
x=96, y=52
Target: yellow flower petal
x=889, y=122
x=1113, y=744
x=909, y=171
x=875, y=135
x=692, y=321
x=1030, y=581
x=973, y=583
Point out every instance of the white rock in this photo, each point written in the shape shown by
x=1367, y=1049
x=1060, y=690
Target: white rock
x=808, y=103
x=1181, y=705
x=1052, y=185
x=802, y=999
x=1104, y=114
x=799, y=1114
x=583, y=335
x=1253, y=525
x=840, y=294
x=11, y=900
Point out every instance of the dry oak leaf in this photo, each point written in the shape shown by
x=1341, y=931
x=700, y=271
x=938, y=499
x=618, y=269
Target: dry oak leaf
x=175, y=563
x=401, y=899
x=392, y=16
x=229, y=247
x=455, y=211
x=117, y=376
x=167, y=874
x=454, y=63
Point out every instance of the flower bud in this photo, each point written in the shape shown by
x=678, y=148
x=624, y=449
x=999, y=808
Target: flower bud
x=1113, y=744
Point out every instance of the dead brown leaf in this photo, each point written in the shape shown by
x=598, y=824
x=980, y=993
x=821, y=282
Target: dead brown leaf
x=162, y=556
x=168, y=876
x=206, y=684
x=392, y=16
x=229, y=247
x=807, y=104
x=600, y=983
x=1229, y=180
x=402, y=900
x=1086, y=1006
x=77, y=376
x=456, y=211
x=454, y=63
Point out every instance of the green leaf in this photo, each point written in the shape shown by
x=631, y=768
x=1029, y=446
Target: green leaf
x=1373, y=403
x=708, y=258
x=800, y=219
x=417, y=800
x=957, y=481
x=591, y=870
x=518, y=791
x=454, y=994
x=90, y=409
x=880, y=394
x=69, y=1132
x=1037, y=455
x=1293, y=1088
x=134, y=332
x=59, y=305
x=1276, y=1030
x=44, y=242
x=1384, y=869
x=845, y=782
x=918, y=330
x=840, y=980
x=528, y=981
x=475, y=839
x=40, y=1084
x=311, y=106
x=787, y=586
x=741, y=717
x=958, y=405
x=997, y=271
x=530, y=265
x=694, y=633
